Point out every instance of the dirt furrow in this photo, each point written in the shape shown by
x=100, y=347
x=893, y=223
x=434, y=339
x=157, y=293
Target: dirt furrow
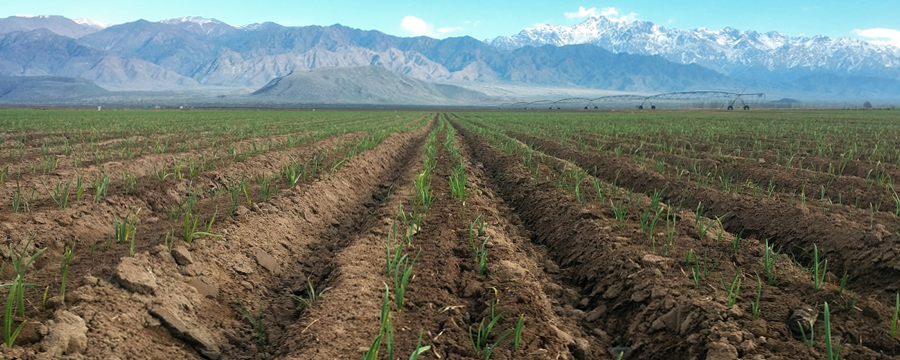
x=647, y=303
x=849, y=241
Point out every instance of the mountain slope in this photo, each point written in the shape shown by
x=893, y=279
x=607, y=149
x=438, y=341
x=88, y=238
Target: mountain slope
x=37, y=89
x=57, y=24
x=743, y=54
x=364, y=85
x=43, y=53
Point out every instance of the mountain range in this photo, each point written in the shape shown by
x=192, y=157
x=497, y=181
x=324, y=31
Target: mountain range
x=601, y=53
x=743, y=55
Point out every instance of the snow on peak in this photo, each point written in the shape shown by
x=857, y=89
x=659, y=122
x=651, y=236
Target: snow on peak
x=199, y=24
x=90, y=23
x=192, y=19
x=727, y=50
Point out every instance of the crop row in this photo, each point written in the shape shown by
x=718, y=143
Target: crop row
x=698, y=264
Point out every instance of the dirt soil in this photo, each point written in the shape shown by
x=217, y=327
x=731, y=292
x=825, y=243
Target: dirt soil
x=586, y=286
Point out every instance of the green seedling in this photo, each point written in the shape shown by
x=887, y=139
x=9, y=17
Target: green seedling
x=894, y=327
x=482, y=258
x=312, y=296
x=517, y=334
x=190, y=228
x=702, y=228
x=769, y=258
x=402, y=275
x=733, y=289
x=832, y=351
x=258, y=327
x=754, y=309
x=695, y=273
x=16, y=291
x=736, y=242
x=819, y=269
x=64, y=270
x=479, y=336
x=372, y=352
x=61, y=195
x=125, y=231
x=620, y=211
x=807, y=340
x=129, y=182
x=843, y=286
x=419, y=348
x=706, y=268
x=168, y=240
x=79, y=188
x=101, y=184
x=458, y=182
x=392, y=256
x=18, y=201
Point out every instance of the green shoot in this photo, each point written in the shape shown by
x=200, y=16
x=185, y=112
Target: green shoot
x=894, y=327
x=101, y=184
x=736, y=243
x=392, y=256
x=125, y=231
x=807, y=340
x=695, y=273
x=481, y=256
x=312, y=296
x=402, y=275
x=64, y=269
x=16, y=290
x=517, y=334
x=832, y=351
x=61, y=195
x=754, y=309
x=479, y=336
x=16, y=260
x=190, y=227
x=620, y=211
x=419, y=348
x=258, y=327
x=769, y=263
x=732, y=289
x=79, y=188
x=458, y=182
x=819, y=268
x=843, y=283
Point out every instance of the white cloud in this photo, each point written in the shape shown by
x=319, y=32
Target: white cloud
x=419, y=27
x=609, y=12
x=416, y=26
x=582, y=13
x=880, y=36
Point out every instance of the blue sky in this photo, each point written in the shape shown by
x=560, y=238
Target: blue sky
x=487, y=19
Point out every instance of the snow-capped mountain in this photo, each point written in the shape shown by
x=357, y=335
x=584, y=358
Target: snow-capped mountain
x=54, y=23
x=740, y=54
x=200, y=25
x=90, y=23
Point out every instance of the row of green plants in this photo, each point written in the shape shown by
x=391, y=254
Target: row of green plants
x=731, y=284
x=398, y=260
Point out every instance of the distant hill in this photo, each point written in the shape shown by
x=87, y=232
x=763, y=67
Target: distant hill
x=42, y=89
x=364, y=85
x=56, y=24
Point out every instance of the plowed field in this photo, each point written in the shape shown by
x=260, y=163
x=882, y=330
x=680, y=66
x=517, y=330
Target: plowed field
x=377, y=235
